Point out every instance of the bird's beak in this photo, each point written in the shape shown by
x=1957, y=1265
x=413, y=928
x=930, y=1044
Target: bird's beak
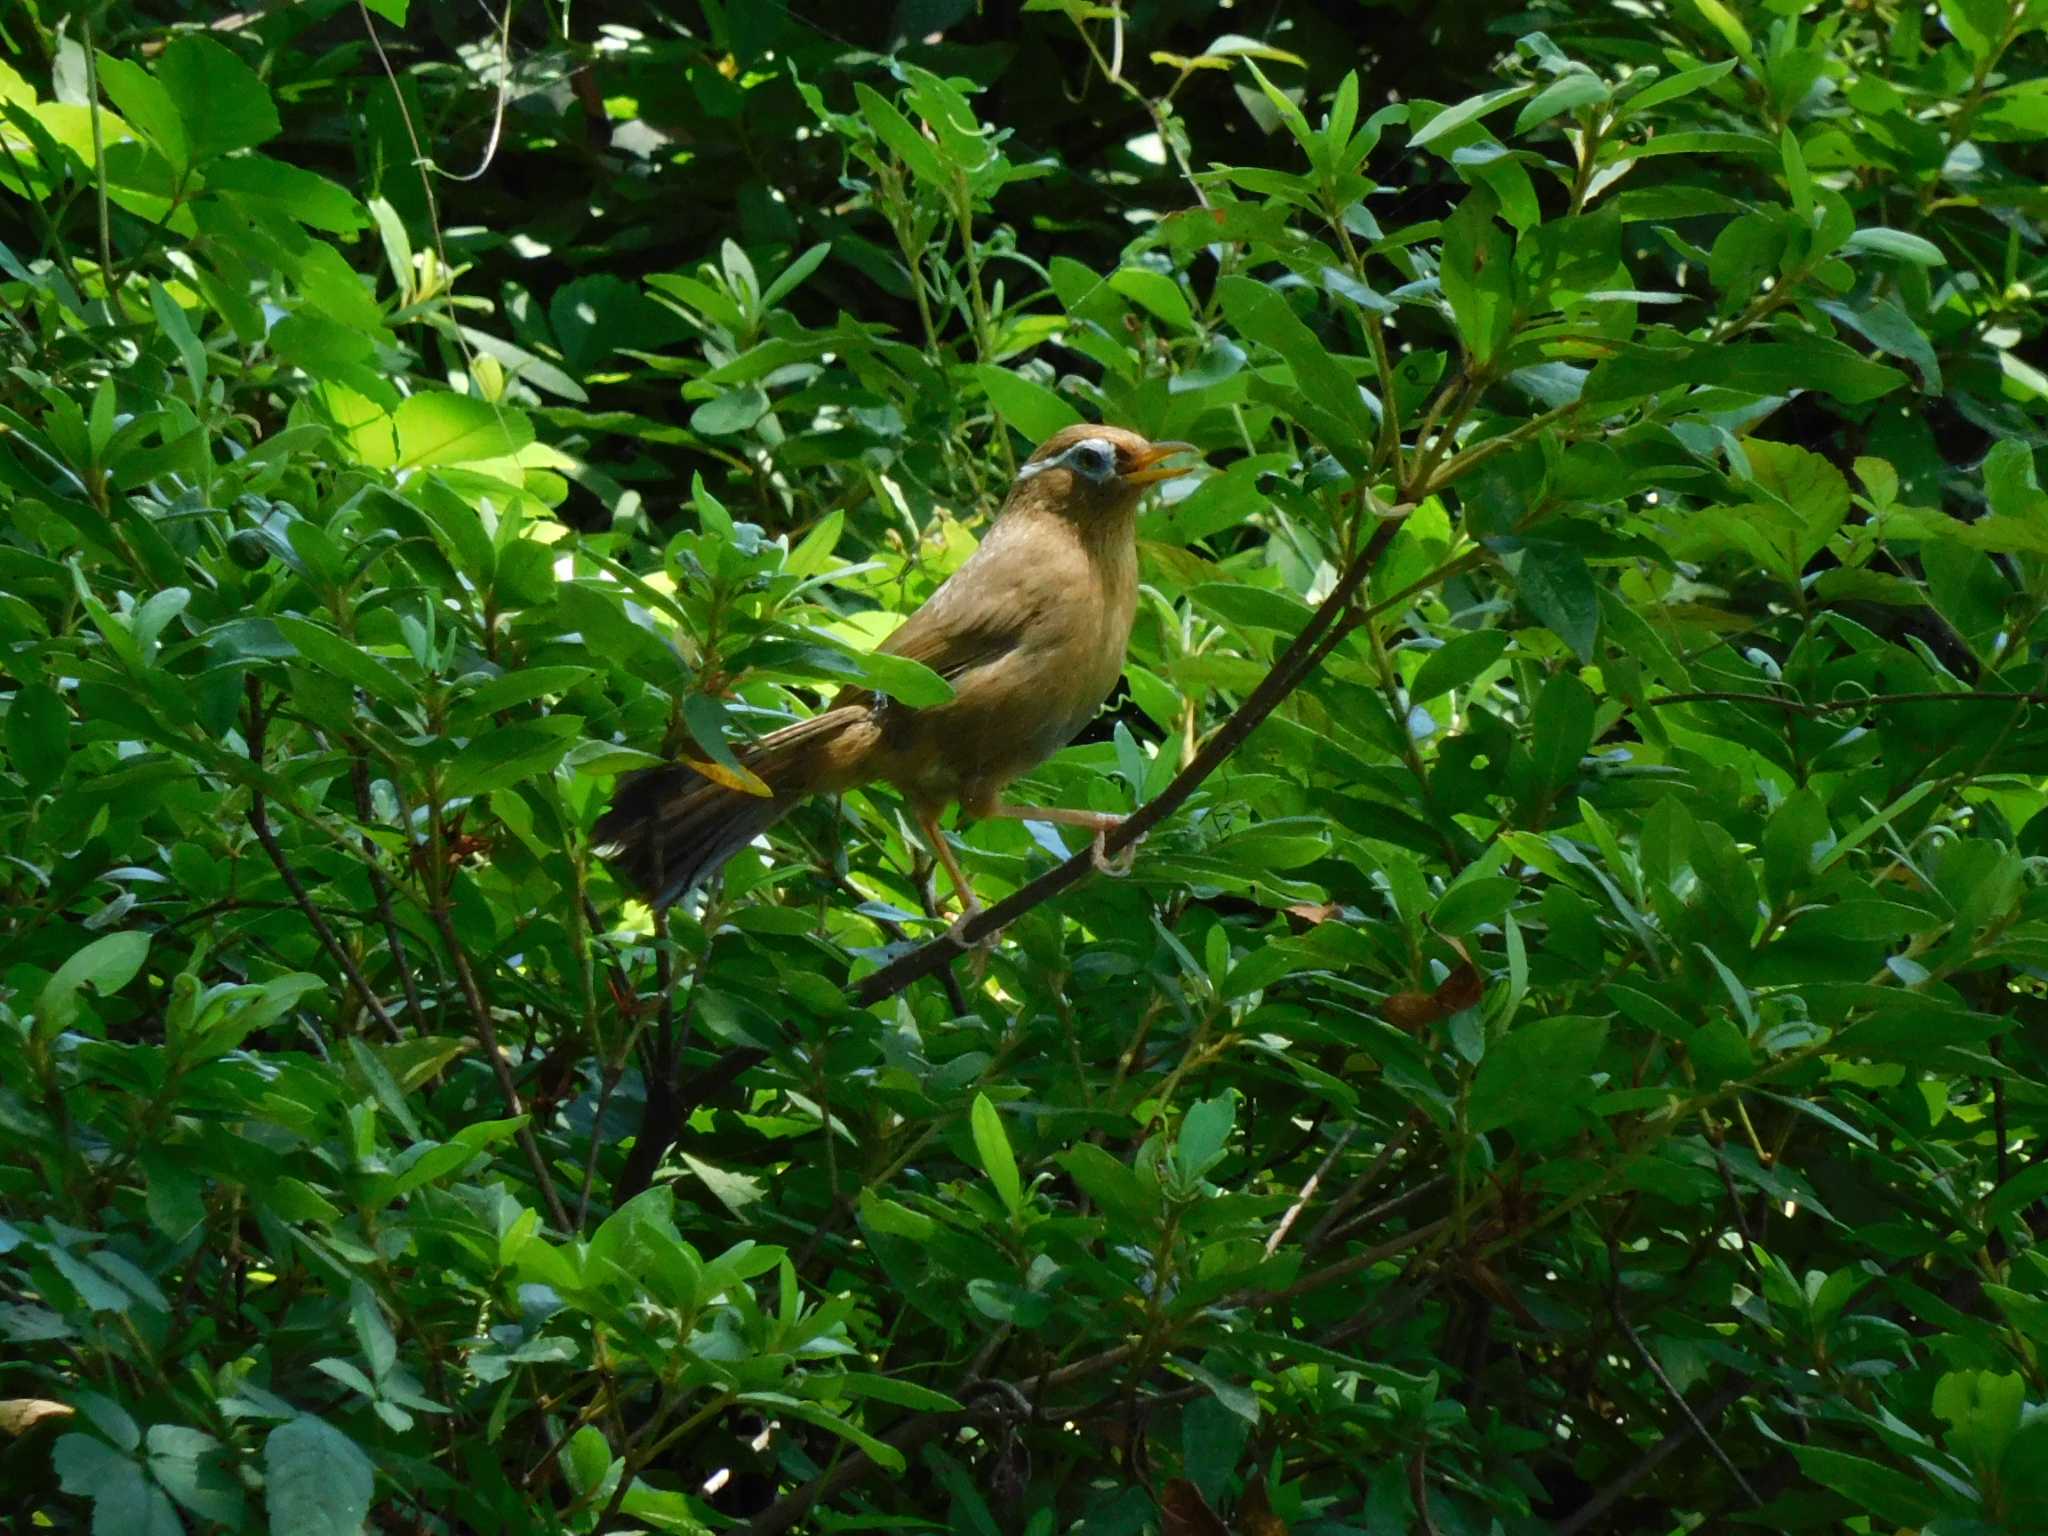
x=1146, y=468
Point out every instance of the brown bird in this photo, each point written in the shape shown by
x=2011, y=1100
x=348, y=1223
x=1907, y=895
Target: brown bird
x=1030, y=632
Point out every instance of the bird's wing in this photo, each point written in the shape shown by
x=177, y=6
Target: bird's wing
x=952, y=634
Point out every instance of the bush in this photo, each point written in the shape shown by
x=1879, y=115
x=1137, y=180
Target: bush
x=1571, y=1054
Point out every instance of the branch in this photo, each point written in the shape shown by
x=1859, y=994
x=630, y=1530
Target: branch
x=380, y=891
x=259, y=823
x=798, y=1502
x=1656, y=1369
x=1308, y=1192
x=486, y=1030
x=1598, y=1505
x=1325, y=628
x=1842, y=706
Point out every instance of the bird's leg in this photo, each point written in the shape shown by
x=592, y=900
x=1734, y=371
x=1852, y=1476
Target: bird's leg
x=1101, y=823
x=970, y=904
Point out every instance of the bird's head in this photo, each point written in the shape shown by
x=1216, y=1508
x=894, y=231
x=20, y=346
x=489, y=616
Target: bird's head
x=1086, y=472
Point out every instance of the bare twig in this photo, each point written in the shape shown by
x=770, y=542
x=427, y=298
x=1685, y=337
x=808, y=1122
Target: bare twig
x=1656, y=1369
x=480, y=1013
x=1842, y=706
x=1361, y=1184
x=1597, y=1506
x=1308, y=1191
x=259, y=823
x=380, y=892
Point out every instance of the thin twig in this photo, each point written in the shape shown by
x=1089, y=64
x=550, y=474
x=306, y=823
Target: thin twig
x=1842, y=706
x=615, y=1070
x=486, y=1029
x=259, y=823
x=1361, y=1184
x=380, y=891
x=1598, y=1505
x=1308, y=1191
x=1656, y=1369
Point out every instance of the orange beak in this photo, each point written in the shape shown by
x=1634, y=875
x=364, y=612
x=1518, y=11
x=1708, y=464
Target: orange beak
x=1146, y=468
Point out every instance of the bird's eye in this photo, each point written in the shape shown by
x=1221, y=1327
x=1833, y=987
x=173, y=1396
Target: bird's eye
x=1093, y=460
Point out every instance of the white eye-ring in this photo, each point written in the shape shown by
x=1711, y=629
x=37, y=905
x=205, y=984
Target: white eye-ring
x=1093, y=458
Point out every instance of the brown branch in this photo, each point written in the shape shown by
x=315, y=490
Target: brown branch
x=1656, y=1369
x=798, y=1502
x=1842, y=706
x=486, y=1030
x=1328, y=625
x=259, y=823
x=1308, y=1192
x=380, y=891
x=1617, y=1490
x=1363, y=1183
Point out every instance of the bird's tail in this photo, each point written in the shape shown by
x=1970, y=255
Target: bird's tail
x=670, y=828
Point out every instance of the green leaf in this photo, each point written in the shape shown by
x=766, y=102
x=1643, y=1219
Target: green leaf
x=992, y=1144
x=317, y=1481
x=1796, y=839
x=1557, y=589
x=1155, y=292
x=441, y=427
x=1727, y=23
x=1764, y=368
x=1978, y=25
x=1473, y=108
x=734, y=1191
x=38, y=735
x=353, y=665
x=735, y=411
x=1560, y=732
x=263, y=183
x=1983, y=1411
x=1025, y=403
x=906, y=681
x=893, y=1219
x=1205, y=1135
x=1455, y=663
x=1471, y=902
x=1259, y=970
x=1659, y=92
x=122, y=1497
x=142, y=99
x=1897, y=242
x=222, y=103
x=884, y=1389
x=1537, y=1071
x=1338, y=413
x=1892, y=1496
x=503, y=757
x=1567, y=93
x=880, y=1452
x=106, y=965
x=1478, y=275
x=894, y=130
x=171, y=319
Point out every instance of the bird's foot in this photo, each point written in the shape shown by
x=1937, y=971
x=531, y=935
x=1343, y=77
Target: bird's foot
x=976, y=950
x=957, y=932
x=1127, y=856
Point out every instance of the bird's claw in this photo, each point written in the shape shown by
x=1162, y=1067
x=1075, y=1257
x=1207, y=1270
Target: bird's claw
x=1126, y=858
x=957, y=932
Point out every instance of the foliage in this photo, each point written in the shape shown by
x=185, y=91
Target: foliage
x=1598, y=1012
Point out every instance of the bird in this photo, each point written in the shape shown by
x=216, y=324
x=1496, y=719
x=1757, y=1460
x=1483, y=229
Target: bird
x=1030, y=631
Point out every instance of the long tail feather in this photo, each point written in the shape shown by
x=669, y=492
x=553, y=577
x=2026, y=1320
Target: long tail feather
x=669, y=829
